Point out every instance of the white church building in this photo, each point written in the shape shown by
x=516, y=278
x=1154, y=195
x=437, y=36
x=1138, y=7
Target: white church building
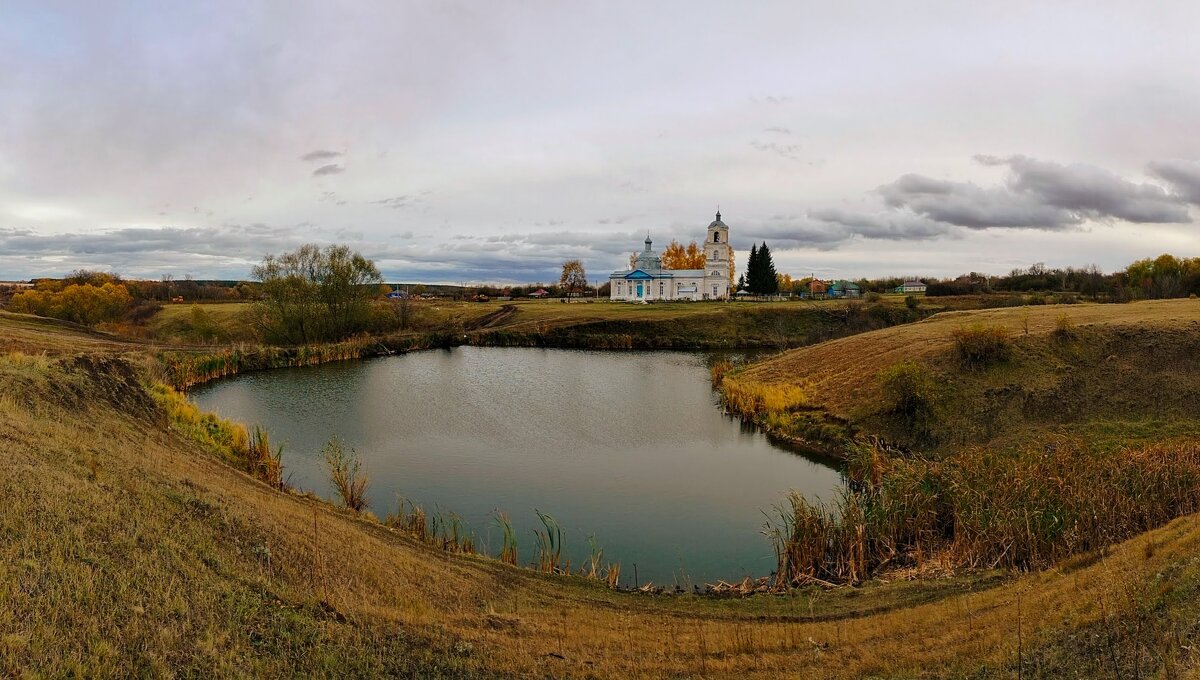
x=648, y=281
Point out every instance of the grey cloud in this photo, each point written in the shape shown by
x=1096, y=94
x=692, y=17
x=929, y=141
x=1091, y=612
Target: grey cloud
x=1037, y=195
x=1089, y=191
x=968, y=205
x=331, y=169
x=896, y=226
x=1182, y=176
x=778, y=130
x=788, y=231
x=320, y=155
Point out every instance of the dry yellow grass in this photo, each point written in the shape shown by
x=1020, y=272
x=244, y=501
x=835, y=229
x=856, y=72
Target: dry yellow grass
x=129, y=549
x=842, y=373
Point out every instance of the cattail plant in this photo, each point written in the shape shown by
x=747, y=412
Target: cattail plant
x=549, y=545
x=508, y=550
x=263, y=463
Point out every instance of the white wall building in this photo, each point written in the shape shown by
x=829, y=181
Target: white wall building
x=648, y=281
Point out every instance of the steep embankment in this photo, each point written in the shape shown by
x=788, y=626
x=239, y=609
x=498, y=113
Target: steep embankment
x=1116, y=371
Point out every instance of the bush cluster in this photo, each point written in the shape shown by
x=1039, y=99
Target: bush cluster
x=980, y=346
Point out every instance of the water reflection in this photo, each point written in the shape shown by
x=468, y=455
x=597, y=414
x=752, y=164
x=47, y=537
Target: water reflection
x=629, y=446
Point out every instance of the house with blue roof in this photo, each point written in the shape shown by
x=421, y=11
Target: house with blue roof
x=843, y=289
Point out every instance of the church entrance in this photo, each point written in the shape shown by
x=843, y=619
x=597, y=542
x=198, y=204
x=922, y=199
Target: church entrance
x=639, y=288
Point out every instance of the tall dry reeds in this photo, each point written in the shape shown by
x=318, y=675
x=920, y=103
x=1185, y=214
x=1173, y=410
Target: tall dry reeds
x=410, y=518
x=978, y=508
x=262, y=462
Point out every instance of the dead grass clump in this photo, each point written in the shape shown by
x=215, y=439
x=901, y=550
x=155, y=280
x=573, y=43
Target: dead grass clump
x=981, y=346
x=1064, y=328
x=345, y=473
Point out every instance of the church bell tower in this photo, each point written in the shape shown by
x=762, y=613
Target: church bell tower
x=718, y=258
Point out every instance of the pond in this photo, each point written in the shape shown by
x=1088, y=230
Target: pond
x=629, y=447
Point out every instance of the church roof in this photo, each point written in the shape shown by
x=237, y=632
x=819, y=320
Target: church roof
x=660, y=273
x=717, y=222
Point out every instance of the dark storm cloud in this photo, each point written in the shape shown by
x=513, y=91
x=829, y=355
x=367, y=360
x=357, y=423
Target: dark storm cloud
x=1036, y=195
x=1182, y=176
x=320, y=155
x=331, y=169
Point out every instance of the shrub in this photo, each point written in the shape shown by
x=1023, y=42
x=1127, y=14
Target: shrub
x=346, y=475
x=980, y=346
x=911, y=301
x=874, y=297
x=910, y=393
x=1037, y=299
x=1064, y=328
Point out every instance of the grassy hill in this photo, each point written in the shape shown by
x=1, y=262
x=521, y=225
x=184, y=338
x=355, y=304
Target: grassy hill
x=1115, y=369
x=130, y=548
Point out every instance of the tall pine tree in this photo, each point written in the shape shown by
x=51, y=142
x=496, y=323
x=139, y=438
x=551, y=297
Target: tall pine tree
x=766, y=267
x=752, y=270
x=760, y=271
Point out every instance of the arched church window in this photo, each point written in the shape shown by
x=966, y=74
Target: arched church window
x=716, y=237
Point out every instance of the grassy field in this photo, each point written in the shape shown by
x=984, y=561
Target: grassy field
x=1111, y=371
x=130, y=548
x=588, y=322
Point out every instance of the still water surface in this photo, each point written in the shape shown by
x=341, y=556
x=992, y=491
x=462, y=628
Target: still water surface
x=628, y=446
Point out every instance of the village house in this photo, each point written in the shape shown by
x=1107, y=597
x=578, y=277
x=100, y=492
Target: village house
x=910, y=287
x=648, y=281
x=844, y=289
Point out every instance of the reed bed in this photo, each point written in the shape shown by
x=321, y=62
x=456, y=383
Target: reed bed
x=1021, y=509
x=754, y=400
x=187, y=370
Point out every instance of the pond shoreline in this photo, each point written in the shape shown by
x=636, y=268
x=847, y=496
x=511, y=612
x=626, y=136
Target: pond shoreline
x=597, y=461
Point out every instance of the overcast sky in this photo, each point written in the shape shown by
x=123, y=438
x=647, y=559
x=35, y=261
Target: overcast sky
x=489, y=141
